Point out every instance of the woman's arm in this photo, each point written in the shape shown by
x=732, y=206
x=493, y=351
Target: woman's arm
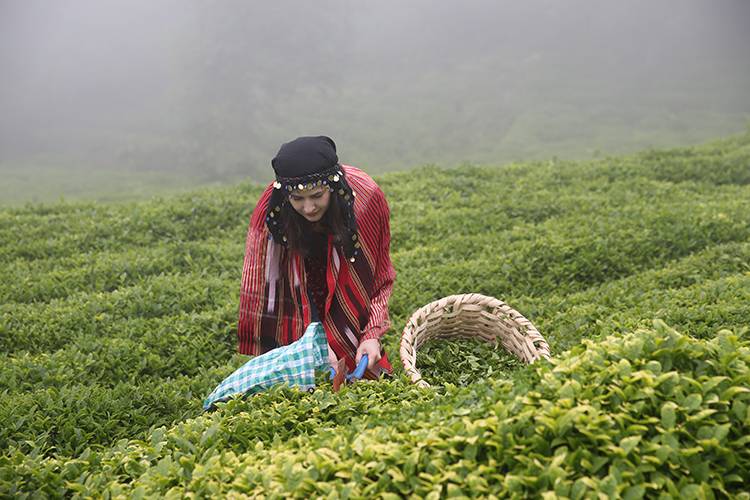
x=384, y=273
x=253, y=273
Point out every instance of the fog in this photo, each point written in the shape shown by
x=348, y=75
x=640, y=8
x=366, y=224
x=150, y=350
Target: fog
x=204, y=91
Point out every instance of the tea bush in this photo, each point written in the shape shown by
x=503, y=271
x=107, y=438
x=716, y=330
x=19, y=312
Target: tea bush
x=651, y=413
x=116, y=320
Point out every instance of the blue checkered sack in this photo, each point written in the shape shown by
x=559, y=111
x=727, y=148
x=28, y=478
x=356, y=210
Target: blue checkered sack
x=294, y=364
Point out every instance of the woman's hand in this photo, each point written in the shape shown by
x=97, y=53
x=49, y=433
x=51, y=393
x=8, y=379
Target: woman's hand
x=371, y=347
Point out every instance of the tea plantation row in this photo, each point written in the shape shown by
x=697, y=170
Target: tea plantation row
x=651, y=413
x=116, y=320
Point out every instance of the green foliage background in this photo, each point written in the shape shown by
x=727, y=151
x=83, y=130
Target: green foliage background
x=117, y=319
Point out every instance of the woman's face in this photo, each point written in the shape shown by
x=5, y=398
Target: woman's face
x=311, y=203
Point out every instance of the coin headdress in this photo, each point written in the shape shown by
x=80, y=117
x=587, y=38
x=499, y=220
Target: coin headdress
x=305, y=163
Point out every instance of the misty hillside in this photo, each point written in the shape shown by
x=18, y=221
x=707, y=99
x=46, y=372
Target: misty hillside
x=111, y=100
x=116, y=320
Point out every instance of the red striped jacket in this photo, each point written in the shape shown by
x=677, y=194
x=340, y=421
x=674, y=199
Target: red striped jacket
x=274, y=305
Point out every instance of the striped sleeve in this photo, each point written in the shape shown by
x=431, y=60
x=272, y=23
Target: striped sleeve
x=252, y=286
x=384, y=274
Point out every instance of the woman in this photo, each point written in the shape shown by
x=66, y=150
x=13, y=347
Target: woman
x=318, y=250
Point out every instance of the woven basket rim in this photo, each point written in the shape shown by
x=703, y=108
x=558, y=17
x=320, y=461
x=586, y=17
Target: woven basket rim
x=481, y=316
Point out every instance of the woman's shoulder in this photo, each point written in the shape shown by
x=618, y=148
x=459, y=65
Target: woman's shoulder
x=363, y=185
x=356, y=175
x=370, y=205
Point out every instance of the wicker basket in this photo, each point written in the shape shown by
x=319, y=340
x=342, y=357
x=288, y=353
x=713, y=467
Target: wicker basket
x=470, y=315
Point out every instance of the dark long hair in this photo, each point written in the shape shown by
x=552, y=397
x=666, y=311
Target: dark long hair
x=298, y=230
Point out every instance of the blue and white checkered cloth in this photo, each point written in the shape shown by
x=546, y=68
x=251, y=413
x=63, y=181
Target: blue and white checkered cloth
x=294, y=364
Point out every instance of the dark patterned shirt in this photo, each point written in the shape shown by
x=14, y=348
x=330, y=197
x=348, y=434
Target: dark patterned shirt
x=315, y=270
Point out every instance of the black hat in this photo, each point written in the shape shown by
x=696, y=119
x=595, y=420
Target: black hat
x=305, y=156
